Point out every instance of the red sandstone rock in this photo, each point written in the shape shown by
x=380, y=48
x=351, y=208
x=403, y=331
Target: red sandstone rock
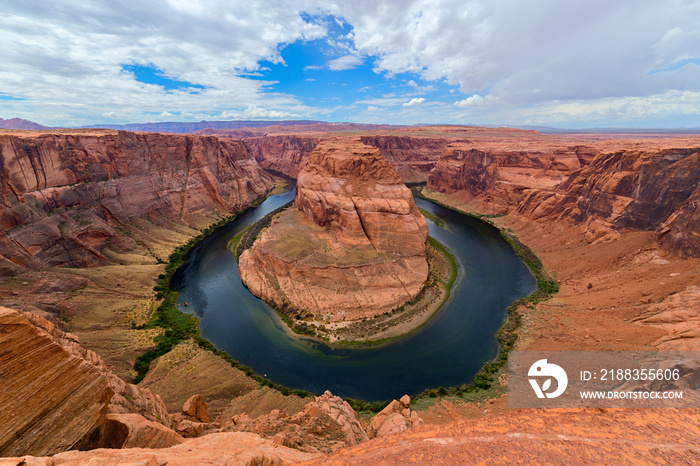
x=235, y=448
x=127, y=398
x=354, y=246
x=397, y=416
x=134, y=431
x=284, y=154
x=196, y=408
x=189, y=429
x=49, y=399
x=630, y=437
x=64, y=194
x=393, y=424
x=412, y=157
x=605, y=192
x=342, y=413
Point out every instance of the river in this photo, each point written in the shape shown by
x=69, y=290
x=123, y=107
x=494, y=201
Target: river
x=448, y=351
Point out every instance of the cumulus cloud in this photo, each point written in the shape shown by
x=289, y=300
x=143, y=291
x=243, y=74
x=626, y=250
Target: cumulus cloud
x=414, y=101
x=470, y=101
x=252, y=111
x=527, y=52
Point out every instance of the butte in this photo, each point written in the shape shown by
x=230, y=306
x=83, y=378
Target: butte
x=352, y=246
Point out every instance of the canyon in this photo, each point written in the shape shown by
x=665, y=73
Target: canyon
x=89, y=216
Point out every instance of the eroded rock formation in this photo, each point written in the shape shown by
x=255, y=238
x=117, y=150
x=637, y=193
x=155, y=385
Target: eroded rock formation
x=50, y=399
x=283, y=154
x=230, y=448
x=412, y=157
x=57, y=395
x=396, y=417
x=65, y=194
x=497, y=180
x=604, y=192
x=353, y=246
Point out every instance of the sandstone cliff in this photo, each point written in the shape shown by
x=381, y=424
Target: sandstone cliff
x=50, y=398
x=65, y=194
x=603, y=192
x=639, y=190
x=412, y=157
x=57, y=395
x=353, y=246
x=496, y=179
x=283, y=154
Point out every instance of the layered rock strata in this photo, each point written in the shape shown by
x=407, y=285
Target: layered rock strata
x=64, y=195
x=56, y=395
x=354, y=245
x=631, y=190
x=49, y=399
x=412, y=157
x=498, y=180
x=230, y=448
x=604, y=192
x=283, y=154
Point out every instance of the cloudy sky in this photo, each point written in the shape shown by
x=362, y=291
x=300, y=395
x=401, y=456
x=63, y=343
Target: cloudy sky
x=573, y=63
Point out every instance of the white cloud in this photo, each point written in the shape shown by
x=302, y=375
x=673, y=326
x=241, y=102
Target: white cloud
x=541, y=60
x=415, y=101
x=66, y=58
x=345, y=62
x=254, y=112
x=470, y=101
x=536, y=51
x=622, y=109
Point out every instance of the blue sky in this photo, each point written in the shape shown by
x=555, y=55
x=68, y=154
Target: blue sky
x=574, y=64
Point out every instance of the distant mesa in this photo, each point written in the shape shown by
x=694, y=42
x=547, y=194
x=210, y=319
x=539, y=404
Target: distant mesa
x=19, y=123
x=353, y=245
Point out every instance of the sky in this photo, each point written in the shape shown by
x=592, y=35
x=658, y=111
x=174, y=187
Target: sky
x=572, y=64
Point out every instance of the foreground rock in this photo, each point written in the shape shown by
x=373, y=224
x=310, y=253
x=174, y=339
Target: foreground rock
x=49, y=399
x=323, y=425
x=194, y=417
x=629, y=437
x=233, y=448
x=135, y=431
x=396, y=417
x=56, y=395
x=127, y=398
x=353, y=246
